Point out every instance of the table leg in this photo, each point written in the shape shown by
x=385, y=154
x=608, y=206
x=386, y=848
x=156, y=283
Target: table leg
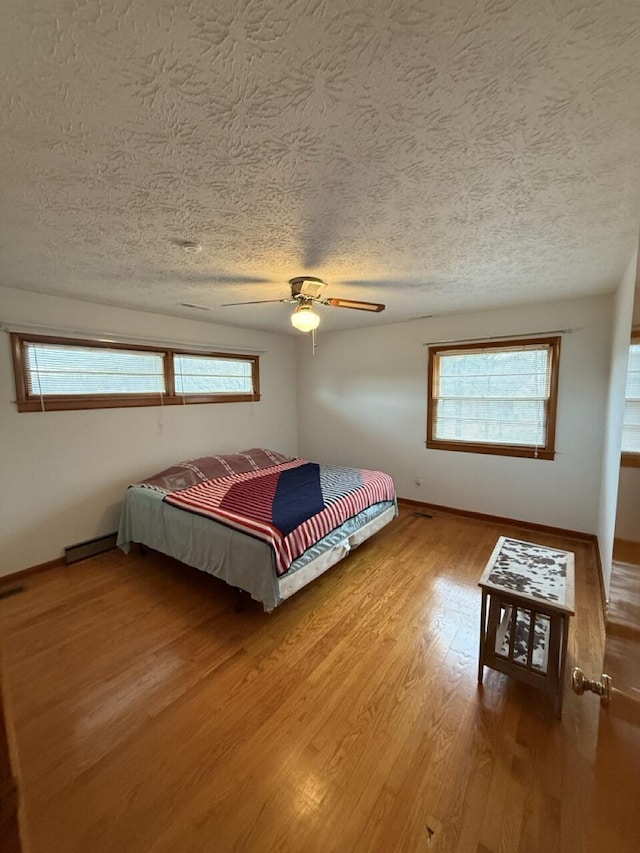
x=483, y=632
x=563, y=661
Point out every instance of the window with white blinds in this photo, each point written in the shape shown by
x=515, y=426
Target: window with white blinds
x=55, y=369
x=201, y=374
x=494, y=398
x=631, y=427
x=54, y=373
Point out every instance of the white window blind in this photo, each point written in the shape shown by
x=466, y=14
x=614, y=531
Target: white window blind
x=55, y=370
x=631, y=428
x=493, y=396
x=196, y=374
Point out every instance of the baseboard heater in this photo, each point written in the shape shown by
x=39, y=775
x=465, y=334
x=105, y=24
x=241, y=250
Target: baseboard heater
x=90, y=548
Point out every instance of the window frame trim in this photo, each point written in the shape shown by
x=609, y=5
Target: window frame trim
x=26, y=402
x=628, y=459
x=547, y=451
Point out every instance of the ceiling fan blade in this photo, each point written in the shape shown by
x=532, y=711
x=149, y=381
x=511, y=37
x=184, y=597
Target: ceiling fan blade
x=258, y=302
x=356, y=305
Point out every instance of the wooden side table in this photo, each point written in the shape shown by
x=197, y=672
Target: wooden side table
x=529, y=590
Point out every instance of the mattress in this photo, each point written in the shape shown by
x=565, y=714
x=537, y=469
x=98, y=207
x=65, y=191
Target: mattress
x=240, y=560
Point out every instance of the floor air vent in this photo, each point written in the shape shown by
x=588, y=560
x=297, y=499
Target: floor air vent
x=90, y=548
x=14, y=590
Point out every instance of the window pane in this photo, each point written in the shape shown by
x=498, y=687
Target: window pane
x=520, y=374
x=500, y=385
x=60, y=369
x=491, y=421
x=633, y=373
x=631, y=427
x=209, y=375
x=631, y=430
x=483, y=362
x=493, y=396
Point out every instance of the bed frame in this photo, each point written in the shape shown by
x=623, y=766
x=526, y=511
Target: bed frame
x=242, y=561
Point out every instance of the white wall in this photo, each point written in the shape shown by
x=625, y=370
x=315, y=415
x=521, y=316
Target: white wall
x=363, y=401
x=611, y=448
x=63, y=474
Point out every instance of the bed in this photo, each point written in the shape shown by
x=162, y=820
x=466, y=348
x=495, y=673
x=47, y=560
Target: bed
x=264, y=523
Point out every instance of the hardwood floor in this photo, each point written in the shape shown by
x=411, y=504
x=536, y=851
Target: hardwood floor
x=626, y=551
x=149, y=716
x=9, y=805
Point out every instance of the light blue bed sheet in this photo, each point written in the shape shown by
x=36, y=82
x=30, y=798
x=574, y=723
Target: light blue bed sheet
x=238, y=559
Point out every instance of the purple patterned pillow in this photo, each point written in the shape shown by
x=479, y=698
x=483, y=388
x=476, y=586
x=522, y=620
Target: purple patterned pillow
x=193, y=471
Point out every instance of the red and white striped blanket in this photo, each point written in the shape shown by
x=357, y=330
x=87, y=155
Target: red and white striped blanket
x=290, y=505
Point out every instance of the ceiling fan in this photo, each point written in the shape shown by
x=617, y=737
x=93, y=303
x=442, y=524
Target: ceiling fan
x=306, y=290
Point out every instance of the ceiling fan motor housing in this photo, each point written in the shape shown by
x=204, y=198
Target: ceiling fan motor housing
x=307, y=286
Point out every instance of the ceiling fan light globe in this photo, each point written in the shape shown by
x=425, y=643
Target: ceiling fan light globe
x=305, y=319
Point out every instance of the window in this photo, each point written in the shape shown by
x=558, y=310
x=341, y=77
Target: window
x=631, y=427
x=55, y=373
x=205, y=374
x=496, y=398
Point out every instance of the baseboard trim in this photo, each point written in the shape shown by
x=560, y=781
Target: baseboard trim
x=631, y=544
x=499, y=519
x=590, y=538
x=32, y=570
x=478, y=516
x=100, y=545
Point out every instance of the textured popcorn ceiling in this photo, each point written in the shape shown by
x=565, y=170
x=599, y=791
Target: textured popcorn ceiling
x=436, y=156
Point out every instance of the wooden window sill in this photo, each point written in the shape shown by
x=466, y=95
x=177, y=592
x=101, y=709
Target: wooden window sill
x=117, y=402
x=491, y=449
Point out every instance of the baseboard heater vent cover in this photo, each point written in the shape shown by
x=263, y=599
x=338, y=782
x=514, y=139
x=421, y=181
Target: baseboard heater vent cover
x=90, y=548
